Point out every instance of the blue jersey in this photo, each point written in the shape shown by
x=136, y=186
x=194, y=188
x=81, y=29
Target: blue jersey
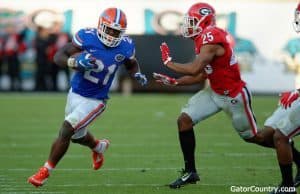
x=96, y=83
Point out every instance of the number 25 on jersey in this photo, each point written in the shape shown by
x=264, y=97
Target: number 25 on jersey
x=208, y=37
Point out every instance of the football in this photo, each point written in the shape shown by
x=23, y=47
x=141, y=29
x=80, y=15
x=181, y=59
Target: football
x=82, y=61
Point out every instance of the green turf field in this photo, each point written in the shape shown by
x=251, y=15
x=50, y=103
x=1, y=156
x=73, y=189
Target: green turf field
x=144, y=154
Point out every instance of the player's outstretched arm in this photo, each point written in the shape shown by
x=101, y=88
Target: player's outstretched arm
x=133, y=69
x=184, y=80
x=190, y=80
x=164, y=79
x=132, y=66
x=62, y=55
x=206, y=55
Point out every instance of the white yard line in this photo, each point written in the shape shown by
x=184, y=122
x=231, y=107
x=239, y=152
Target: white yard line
x=157, y=156
x=34, y=145
x=145, y=169
x=48, y=135
x=116, y=185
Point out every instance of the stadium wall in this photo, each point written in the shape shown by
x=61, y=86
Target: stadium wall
x=261, y=30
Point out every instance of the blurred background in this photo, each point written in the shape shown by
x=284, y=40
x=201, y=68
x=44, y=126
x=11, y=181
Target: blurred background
x=145, y=153
x=31, y=31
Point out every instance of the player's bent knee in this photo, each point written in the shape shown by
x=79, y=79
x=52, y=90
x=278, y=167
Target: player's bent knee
x=257, y=139
x=250, y=140
x=79, y=140
x=184, y=122
x=66, y=131
x=67, y=125
x=279, y=137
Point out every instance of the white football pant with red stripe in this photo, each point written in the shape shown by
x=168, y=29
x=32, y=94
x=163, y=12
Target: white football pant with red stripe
x=206, y=103
x=286, y=120
x=81, y=111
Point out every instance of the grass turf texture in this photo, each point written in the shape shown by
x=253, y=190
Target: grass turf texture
x=144, y=154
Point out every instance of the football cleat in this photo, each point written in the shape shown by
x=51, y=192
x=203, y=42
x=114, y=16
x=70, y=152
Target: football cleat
x=297, y=178
x=184, y=179
x=39, y=178
x=98, y=158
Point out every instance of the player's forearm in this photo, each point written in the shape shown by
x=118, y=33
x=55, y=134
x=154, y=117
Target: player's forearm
x=61, y=58
x=62, y=55
x=189, y=80
x=185, y=81
x=132, y=67
x=187, y=68
x=133, y=70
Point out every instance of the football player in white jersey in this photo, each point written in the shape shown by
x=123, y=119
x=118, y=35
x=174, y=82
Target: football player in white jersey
x=285, y=121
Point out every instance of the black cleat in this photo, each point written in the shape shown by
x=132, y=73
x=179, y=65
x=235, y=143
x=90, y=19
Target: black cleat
x=297, y=178
x=186, y=178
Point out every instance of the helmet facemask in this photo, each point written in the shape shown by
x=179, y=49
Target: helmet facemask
x=110, y=35
x=191, y=26
x=296, y=22
x=198, y=18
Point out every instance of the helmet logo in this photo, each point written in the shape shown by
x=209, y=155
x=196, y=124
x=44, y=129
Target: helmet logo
x=105, y=16
x=205, y=11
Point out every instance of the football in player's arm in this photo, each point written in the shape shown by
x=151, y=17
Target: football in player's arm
x=95, y=54
x=85, y=61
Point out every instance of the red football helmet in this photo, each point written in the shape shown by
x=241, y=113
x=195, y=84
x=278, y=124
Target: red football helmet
x=111, y=26
x=296, y=22
x=198, y=17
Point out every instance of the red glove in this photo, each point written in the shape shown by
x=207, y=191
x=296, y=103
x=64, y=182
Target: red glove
x=165, y=53
x=287, y=98
x=161, y=78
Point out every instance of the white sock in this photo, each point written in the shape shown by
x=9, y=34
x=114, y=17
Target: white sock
x=49, y=166
x=100, y=147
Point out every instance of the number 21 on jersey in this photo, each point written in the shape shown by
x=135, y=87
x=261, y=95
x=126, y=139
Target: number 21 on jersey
x=111, y=69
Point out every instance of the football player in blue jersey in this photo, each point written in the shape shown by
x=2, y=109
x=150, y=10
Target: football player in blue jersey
x=95, y=54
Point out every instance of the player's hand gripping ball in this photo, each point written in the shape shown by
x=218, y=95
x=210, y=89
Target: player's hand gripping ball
x=82, y=61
